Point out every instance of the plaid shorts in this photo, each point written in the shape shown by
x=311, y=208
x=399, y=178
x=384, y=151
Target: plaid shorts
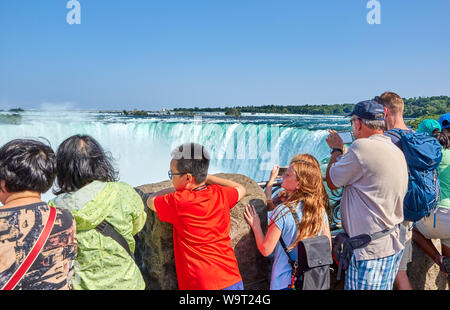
x=373, y=274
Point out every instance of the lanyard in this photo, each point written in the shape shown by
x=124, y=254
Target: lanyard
x=199, y=188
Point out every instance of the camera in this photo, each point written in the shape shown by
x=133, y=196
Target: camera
x=347, y=137
x=282, y=171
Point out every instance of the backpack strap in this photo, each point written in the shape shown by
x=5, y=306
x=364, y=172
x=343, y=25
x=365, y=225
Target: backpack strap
x=108, y=230
x=31, y=257
x=294, y=264
x=283, y=244
x=384, y=232
x=394, y=132
x=291, y=261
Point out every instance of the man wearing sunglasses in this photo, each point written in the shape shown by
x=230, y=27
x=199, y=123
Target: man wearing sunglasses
x=198, y=205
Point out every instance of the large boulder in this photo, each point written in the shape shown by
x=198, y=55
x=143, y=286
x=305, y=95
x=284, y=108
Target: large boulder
x=154, y=244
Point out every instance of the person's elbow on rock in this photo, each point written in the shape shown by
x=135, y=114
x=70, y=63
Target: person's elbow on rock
x=241, y=191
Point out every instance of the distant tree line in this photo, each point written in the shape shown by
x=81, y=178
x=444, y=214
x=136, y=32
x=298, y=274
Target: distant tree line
x=300, y=109
x=414, y=107
x=422, y=106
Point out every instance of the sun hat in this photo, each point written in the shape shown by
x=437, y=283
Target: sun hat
x=428, y=126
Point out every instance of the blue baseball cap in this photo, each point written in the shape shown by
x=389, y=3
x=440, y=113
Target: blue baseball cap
x=444, y=120
x=369, y=110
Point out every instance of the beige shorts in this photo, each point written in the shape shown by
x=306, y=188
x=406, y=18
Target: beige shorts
x=442, y=230
x=406, y=240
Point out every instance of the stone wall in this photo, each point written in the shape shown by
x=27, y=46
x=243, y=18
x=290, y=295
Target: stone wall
x=423, y=273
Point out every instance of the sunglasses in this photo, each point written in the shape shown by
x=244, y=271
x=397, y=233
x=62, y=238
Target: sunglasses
x=171, y=174
x=352, y=120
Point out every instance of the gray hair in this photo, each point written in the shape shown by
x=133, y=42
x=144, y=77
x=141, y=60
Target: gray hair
x=374, y=124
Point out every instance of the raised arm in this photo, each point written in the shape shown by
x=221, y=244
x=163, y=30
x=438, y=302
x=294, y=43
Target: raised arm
x=333, y=159
x=211, y=179
x=151, y=197
x=269, y=185
x=335, y=143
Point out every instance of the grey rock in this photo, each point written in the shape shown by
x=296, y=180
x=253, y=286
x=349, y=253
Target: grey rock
x=423, y=273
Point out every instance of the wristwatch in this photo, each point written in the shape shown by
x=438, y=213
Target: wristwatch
x=336, y=149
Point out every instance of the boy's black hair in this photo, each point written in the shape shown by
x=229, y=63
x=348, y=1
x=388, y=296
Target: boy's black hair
x=81, y=160
x=27, y=165
x=192, y=158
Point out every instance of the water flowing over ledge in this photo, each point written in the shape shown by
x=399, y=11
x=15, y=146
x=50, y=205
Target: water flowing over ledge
x=141, y=146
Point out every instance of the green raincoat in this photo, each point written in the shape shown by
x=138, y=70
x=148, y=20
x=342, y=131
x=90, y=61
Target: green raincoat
x=102, y=263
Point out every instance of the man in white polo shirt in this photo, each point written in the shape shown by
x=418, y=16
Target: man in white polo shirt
x=374, y=177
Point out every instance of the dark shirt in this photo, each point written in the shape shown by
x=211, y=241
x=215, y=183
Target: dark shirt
x=395, y=139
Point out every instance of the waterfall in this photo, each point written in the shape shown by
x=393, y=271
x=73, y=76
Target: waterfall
x=141, y=146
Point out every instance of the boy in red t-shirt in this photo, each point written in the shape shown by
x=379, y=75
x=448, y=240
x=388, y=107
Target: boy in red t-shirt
x=198, y=205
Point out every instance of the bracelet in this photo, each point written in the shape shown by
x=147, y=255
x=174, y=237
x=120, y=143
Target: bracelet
x=336, y=149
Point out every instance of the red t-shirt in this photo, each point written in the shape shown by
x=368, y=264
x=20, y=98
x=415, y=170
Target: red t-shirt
x=204, y=258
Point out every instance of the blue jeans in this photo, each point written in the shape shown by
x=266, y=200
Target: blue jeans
x=237, y=286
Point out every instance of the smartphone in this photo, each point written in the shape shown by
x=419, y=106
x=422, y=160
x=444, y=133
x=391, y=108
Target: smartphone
x=347, y=137
x=282, y=171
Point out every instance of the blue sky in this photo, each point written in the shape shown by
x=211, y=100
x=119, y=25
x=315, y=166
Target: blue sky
x=151, y=55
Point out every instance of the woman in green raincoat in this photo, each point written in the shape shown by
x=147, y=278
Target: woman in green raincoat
x=87, y=186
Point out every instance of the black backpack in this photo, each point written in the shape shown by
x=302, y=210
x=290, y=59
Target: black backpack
x=311, y=271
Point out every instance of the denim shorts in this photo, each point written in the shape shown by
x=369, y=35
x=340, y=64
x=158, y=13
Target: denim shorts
x=237, y=286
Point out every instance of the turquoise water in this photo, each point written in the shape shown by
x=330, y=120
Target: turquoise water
x=141, y=146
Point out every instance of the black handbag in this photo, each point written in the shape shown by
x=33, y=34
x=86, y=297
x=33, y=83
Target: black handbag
x=343, y=246
x=311, y=271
